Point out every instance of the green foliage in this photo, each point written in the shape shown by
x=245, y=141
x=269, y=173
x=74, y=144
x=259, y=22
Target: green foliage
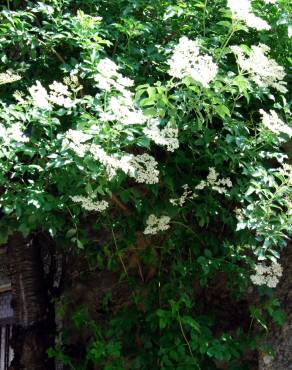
x=216, y=230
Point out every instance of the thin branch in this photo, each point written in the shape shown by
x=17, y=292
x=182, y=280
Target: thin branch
x=121, y=205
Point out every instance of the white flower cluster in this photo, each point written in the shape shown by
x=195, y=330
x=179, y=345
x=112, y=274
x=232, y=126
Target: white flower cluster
x=242, y=10
x=168, y=136
x=143, y=168
x=263, y=71
x=59, y=95
x=286, y=171
x=111, y=163
x=267, y=275
x=9, y=77
x=156, y=224
x=72, y=82
x=274, y=123
x=238, y=214
x=74, y=140
x=108, y=77
x=39, y=96
x=12, y=133
x=122, y=109
x=270, y=1
x=119, y=108
x=89, y=204
x=19, y=96
x=187, y=194
x=187, y=61
x=219, y=185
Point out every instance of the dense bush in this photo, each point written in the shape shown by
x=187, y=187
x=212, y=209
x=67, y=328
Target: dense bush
x=162, y=123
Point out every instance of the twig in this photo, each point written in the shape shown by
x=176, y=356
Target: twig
x=121, y=205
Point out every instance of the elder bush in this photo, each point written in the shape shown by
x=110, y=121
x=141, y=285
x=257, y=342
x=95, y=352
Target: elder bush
x=175, y=115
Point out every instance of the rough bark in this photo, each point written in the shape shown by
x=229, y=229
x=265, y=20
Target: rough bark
x=33, y=333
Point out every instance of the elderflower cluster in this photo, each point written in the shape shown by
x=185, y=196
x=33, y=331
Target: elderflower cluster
x=168, y=136
x=263, y=71
x=89, y=204
x=187, y=194
x=73, y=82
x=9, y=77
x=59, y=95
x=144, y=169
x=123, y=110
x=12, y=133
x=108, y=77
x=74, y=140
x=286, y=171
x=187, y=61
x=267, y=275
x=270, y=1
x=39, y=96
x=111, y=163
x=219, y=185
x=274, y=123
x=156, y=224
x=242, y=10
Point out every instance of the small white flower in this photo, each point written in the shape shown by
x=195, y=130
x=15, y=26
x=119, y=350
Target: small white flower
x=274, y=123
x=107, y=67
x=102, y=83
x=122, y=109
x=168, y=136
x=263, y=71
x=144, y=169
x=187, y=61
x=156, y=224
x=14, y=133
x=110, y=163
x=9, y=77
x=187, y=194
x=267, y=275
x=59, y=88
x=39, y=96
x=108, y=78
x=201, y=185
x=60, y=95
x=89, y=204
x=125, y=81
x=286, y=171
x=216, y=184
x=242, y=10
x=74, y=140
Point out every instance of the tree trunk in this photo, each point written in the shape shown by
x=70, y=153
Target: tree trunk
x=280, y=338
x=34, y=331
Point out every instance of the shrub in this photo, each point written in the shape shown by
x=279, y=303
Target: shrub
x=165, y=124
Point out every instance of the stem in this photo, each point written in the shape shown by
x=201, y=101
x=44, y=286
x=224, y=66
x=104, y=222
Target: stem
x=227, y=39
x=75, y=224
x=125, y=209
x=186, y=340
x=59, y=56
x=123, y=265
x=8, y=4
x=119, y=255
x=204, y=18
